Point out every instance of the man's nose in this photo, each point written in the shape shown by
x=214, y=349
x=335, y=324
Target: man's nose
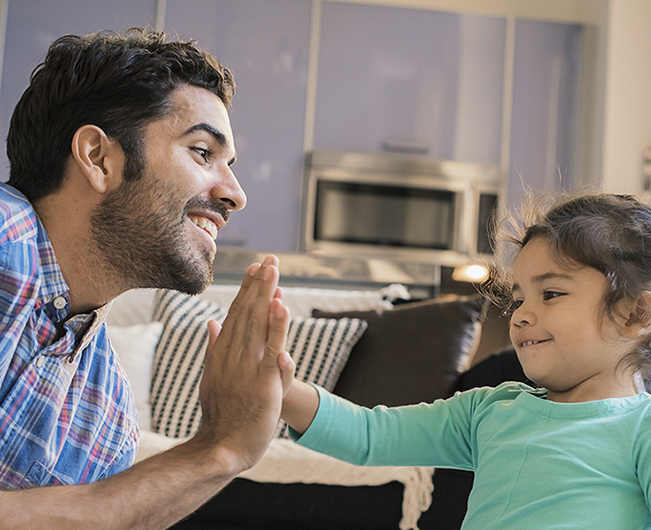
x=228, y=191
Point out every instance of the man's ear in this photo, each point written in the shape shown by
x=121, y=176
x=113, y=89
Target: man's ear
x=99, y=158
x=639, y=319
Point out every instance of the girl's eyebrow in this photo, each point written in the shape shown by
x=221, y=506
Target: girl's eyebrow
x=544, y=277
x=552, y=276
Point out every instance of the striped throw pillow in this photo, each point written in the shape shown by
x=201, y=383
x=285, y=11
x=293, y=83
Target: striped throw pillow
x=320, y=347
x=178, y=361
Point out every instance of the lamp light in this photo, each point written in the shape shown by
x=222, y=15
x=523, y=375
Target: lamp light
x=470, y=272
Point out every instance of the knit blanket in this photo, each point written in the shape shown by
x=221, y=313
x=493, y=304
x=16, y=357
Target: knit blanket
x=287, y=462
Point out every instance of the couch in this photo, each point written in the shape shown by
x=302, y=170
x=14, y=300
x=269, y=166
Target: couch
x=370, y=346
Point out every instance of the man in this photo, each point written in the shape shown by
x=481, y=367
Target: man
x=120, y=153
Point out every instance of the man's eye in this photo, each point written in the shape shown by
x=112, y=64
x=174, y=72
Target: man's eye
x=203, y=153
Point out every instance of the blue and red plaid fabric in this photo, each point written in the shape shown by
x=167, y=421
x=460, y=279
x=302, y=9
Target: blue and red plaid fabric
x=67, y=414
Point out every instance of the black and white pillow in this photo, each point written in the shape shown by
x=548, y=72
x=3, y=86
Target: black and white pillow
x=320, y=347
x=178, y=361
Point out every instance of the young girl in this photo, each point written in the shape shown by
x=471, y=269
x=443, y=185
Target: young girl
x=574, y=453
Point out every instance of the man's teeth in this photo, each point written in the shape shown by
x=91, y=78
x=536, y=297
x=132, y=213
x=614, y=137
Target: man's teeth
x=529, y=343
x=207, y=225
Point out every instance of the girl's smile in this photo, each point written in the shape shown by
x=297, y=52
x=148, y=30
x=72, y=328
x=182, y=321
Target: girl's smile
x=563, y=339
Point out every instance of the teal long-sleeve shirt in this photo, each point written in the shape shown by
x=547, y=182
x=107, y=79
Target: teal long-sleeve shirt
x=538, y=465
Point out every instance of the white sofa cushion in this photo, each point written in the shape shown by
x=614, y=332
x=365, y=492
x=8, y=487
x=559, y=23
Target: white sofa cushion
x=136, y=306
x=135, y=346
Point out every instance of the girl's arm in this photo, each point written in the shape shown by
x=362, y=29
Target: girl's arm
x=301, y=400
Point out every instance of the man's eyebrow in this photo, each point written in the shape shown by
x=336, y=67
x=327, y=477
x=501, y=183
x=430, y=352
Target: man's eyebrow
x=219, y=136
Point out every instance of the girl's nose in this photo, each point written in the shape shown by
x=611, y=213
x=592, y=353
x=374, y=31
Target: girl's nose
x=522, y=316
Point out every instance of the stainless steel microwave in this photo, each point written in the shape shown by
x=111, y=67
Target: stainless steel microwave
x=405, y=207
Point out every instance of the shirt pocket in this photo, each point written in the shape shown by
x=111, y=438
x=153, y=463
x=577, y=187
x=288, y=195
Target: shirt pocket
x=38, y=475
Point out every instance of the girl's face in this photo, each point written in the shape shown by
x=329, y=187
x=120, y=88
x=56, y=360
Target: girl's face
x=562, y=338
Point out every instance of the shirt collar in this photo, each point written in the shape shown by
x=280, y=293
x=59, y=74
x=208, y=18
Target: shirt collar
x=87, y=326
x=53, y=284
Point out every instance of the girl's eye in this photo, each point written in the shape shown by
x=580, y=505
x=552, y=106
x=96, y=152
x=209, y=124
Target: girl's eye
x=513, y=305
x=549, y=295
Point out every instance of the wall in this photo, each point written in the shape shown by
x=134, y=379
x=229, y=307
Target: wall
x=616, y=122
x=627, y=106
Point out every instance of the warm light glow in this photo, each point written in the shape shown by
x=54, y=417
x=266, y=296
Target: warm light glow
x=473, y=272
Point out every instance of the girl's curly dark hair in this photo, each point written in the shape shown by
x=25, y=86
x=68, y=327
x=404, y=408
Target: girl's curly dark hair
x=610, y=233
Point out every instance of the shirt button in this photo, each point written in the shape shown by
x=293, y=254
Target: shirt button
x=40, y=361
x=60, y=302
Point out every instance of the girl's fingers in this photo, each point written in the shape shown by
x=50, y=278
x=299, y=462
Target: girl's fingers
x=213, y=332
x=287, y=368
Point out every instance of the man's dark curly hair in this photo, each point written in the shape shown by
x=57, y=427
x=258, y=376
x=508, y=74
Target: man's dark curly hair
x=118, y=83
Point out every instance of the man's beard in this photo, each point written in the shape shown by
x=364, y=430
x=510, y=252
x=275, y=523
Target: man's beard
x=139, y=232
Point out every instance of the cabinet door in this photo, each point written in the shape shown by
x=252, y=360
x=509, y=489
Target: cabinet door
x=546, y=81
x=265, y=43
x=410, y=79
x=33, y=24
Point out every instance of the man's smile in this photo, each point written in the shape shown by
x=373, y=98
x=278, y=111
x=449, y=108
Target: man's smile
x=206, y=224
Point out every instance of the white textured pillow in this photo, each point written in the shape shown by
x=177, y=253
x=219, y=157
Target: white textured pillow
x=319, y=346
x=301, y=300
x=135, y=346
x=132, y=307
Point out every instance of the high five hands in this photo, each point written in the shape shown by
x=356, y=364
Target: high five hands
x=247, y=370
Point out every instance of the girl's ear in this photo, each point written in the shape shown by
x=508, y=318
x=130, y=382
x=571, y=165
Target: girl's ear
x=639, y=319
x=99, y=158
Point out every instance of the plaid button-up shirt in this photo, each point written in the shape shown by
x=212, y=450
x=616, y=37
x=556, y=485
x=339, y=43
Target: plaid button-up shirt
x=67, y=414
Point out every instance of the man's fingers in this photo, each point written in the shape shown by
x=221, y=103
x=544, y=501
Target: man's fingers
x=252, y=271
x=259, y=278
x=278, y=327
x=244, y=380
x=248, y=318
